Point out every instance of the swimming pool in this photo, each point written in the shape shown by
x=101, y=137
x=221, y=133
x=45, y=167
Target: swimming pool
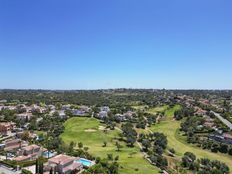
x=48, y=154
x=84, y=162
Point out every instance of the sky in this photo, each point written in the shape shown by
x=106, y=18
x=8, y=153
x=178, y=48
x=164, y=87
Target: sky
x=95, y=44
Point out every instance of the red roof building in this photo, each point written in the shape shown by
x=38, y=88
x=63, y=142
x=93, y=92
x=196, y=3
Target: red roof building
x=64, y=164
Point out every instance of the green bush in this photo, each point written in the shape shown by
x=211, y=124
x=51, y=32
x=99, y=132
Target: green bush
x=24, y=171
x=9, y=163
x=14, y=164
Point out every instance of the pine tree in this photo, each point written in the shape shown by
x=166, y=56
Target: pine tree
x=36, y=166
x=41, y=167
x=51, y=171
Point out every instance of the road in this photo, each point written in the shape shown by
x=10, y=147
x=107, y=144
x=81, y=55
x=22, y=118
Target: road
x=225, y=121
x=6, y=170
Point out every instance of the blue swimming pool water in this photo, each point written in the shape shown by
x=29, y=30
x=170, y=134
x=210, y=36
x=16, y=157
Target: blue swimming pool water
x=85, y=162
x=49, y=154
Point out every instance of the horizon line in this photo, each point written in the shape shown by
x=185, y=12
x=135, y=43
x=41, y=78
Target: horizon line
x=97, y=89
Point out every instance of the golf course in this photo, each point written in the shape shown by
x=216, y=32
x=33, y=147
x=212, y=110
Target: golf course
x=170, y=128
x=91, y=133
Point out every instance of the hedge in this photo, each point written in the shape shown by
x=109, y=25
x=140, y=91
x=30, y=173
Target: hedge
x=24, y=171
x=14, y=164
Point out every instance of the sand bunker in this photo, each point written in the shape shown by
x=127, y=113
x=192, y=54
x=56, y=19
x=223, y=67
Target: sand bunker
x=90, y=130
x=101, y=128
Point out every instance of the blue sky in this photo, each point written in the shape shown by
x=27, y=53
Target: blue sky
x=92, y=44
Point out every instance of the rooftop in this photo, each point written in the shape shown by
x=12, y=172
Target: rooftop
x=7, y=123
x=62, y=159
x=72, y=167
x=22, y=158
x=227, y=136
x=31, y=147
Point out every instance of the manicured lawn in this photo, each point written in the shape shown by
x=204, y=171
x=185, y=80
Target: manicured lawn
x=170, y=128
x=169, y=112
x=86, y=130
x=154, y=110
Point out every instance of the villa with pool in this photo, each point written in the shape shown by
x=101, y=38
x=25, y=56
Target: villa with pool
x=64, y=164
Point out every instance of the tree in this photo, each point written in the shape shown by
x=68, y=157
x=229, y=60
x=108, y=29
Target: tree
x=153, y=158
x=86, y=149
x=188, y=159
x=131, y=140
x=41, y=168
x=214, y=147
x=119, y=146
x=172, y=150
x=37, y=166
x=223, y=148
x=25, y=136
x=161, y=162
x=146, y=144
x=158, y=150
x=116, y=158
x=160, y=140
x=71, y=147
x=113, y=168
x=104, y=144
x=97, y=160
x=215, y=166
x=51, y=171
x=130, y=134
x=110, y=157
x=80, y=145
x=230, y=150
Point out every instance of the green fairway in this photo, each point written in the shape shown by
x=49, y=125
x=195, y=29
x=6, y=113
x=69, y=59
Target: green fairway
x=154, y=110
x=170, y=128
x=169, y=112
x=89, y=132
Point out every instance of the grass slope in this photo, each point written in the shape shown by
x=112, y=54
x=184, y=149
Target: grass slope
x=75, y=130
x=154, y=110
x=170, y=128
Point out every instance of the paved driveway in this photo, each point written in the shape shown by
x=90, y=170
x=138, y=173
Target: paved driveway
x=5, y=170
x=30, y=168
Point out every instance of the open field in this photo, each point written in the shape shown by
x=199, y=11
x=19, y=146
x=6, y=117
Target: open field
x=154, y=110
x=75, y=130
x=170, y=128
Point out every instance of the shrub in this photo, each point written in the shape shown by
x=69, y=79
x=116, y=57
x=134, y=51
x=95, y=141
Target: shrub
x=24, y=171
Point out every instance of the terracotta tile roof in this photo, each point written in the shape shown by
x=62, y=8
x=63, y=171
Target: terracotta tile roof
x=227, y=136
x=12, y=141
x=31, y=147
x=7, y=124
x=62, y=159
x=72, y=167
x=12, y=147
x=22, y=158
